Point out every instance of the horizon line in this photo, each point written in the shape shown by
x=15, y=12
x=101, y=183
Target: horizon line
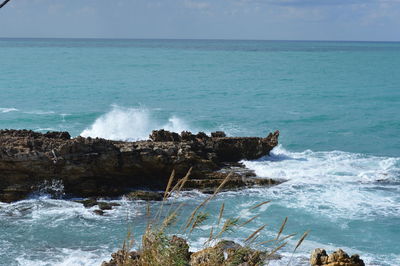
x=191, y=39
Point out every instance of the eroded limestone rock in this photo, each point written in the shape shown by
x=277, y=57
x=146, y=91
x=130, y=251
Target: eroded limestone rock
x=338, y=258
x=97, y=167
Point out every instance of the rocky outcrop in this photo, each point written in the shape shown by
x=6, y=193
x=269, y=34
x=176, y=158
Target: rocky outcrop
x=145, y=195
x=175, y=251
x=338, y=258
x=236, y=181
x=98, y=167
x=230, y=253
x=102, y=206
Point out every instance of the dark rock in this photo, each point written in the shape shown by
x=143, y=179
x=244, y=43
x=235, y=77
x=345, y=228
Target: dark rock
x=88, y=203
x=107, y=205
x=187, y=136
x=145, y=195
x=202, y=136
x=57, y=135
x=218, y=134
x=90, y=167
x=99, y=212
x=163, y=135
x=236, y=181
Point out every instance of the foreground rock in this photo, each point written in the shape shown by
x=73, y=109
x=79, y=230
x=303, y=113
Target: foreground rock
x=337, y=258
x=97, y=167
x=175, y=251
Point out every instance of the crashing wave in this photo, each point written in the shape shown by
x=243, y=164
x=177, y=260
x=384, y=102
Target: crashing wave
x=130, y=124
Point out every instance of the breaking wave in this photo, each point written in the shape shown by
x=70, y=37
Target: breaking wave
x=333, y=183
x=130, y=124
x=7, y=110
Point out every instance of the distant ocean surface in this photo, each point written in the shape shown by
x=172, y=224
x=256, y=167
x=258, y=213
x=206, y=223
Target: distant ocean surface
x=336, y=104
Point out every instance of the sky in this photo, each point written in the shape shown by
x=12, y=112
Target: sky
x=360, y=20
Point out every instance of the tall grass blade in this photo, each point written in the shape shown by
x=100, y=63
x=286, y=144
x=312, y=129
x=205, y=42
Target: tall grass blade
x=276, y=249
x=249, y=220
x=211, y=234
x=200, y=218
x=282, y=228
x=259, y=205
x=193, y=214
x=228, y=225
x=301, y=240
x=221, y=211
x=170, y=180
x=298, y=244
x=185, y=178
x=255, y=232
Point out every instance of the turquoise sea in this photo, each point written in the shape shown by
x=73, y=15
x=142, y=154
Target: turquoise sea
x=336, y=104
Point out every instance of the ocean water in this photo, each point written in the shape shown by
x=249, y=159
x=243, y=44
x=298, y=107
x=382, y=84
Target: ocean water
x=336, y=105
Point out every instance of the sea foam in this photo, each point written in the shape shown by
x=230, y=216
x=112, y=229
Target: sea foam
x=7, y=110
x=123, y=123
x=335, y=183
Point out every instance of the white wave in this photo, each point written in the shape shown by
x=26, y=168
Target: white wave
x=130, y=124
x=66, y=257
x=39, y=112
x=7, y=110
x=45, y=129
x=335, y=183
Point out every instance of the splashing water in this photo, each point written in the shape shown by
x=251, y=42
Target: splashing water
x=335, y=184
x=130, y=124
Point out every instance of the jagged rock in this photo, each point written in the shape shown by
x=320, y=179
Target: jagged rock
x=337, y=258
x=208, y=257
x=88, y=203
x=163, y=135
x=202, y=136
x=99, y=212
x=218, y=134
x=229, y=253
x=158, y=249
x=57, y=135
x=122, y=257
x=97, y=167
x=236, y=181
x=107, y=205
x=103, y=206
x=145, y=195
x=188, y=136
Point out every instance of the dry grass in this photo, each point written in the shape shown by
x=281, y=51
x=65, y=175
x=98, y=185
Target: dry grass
x=157, y=248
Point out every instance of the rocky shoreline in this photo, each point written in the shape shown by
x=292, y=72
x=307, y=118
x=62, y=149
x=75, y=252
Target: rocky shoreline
x=225, y=253
x=94, y=167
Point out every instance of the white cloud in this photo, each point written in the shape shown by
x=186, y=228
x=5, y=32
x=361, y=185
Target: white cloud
x=192, y=4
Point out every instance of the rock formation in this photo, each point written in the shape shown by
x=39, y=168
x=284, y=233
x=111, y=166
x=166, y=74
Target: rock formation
x=338, y=258
x=175, y=251
x=98, y=167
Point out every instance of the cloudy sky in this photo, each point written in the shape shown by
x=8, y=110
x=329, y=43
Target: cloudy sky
x=375, y=20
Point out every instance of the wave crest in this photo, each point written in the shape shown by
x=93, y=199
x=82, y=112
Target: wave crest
x=130, y=124
x=335, y=183
x=7, y=110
